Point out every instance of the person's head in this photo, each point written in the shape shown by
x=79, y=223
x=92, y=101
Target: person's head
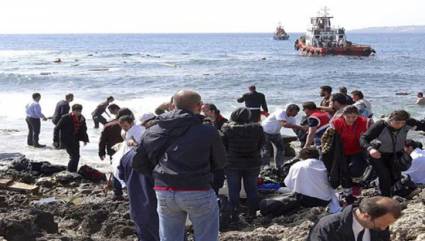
x=69, y=97
x=350, y=114
x=292, y=110
x=309, y=153
x=77, y=109
x=377, y=213
x=113, y=109
x=343, y=90
x=338, y=101
x=126, y=122
x=110, y=99
x=188, y=100
x=398, y=118
x=146, y=117
x=356, y=95
x=420, y=95
x=325, y=91
x=309, y=107
x=411, y=145
x=210, y=110
x=36, y=97
x=252, y=88
x=241, y=115
x=124, y=111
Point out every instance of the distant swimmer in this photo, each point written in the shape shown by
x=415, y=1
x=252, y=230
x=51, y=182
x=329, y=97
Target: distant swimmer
x=420, y=99
x=254, y=101
x=58, y=61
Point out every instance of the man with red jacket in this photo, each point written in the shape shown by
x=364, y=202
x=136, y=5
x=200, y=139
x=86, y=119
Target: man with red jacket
x=317, y=121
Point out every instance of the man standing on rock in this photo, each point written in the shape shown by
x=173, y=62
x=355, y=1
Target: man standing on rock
x=254, y=101
x=74, y=129
x=34, y=114
x=62, y=108
x=368, y=222
x=183, y=154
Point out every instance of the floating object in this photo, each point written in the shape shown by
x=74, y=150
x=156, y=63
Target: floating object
x=57, y=61
x=169, y=65
x=280, y=33
x=45, y=73
x=99, y=69
x=402, y=93
x=321, y=39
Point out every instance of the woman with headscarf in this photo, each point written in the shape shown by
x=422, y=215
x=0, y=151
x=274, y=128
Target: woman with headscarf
x=243, y=141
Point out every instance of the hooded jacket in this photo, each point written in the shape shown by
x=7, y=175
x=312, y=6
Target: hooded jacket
x=181, y=151
x=242, y=140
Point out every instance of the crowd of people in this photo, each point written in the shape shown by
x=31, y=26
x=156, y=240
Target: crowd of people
x=174, y=162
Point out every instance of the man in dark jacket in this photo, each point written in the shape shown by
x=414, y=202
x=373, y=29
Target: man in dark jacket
x=62, y=108
x=142, y=199
x=100, y=109
x=369, y=221
x=243, y=142
x=183, y=154
x=384, y=142
x=74, y=129
x=254, y=101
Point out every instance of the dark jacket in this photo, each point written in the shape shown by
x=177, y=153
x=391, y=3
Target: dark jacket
x=339, y=226
x=242, y=140
x=334, y=160
x=142, y=199
x=220, y=121
x=182, y=151
x=68, y=135
x=110, y=136
x=100, y=109
x=62, y=108
x=254, y=100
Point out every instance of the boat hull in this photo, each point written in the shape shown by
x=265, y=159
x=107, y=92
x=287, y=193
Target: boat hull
x=352, y=50
x=281, y=37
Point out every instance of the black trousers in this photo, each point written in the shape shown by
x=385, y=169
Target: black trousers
x=309, y=202
x=98, y=119
x=384, y=168
x=73, y=150
x=33, y=130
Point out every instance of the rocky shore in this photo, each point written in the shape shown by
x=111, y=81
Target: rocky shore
x=68, y=207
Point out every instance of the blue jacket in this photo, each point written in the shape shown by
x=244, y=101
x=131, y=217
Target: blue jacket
x=142, y=199
x=180, y=151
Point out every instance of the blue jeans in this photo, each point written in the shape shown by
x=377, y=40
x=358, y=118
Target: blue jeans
x=277, y=141
x=201, y=207
x=249, y=177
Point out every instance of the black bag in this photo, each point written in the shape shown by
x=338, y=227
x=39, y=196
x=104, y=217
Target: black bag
x=279, y=205
x=404, y=186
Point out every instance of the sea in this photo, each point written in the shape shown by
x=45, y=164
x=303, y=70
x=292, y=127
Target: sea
x=144, y=70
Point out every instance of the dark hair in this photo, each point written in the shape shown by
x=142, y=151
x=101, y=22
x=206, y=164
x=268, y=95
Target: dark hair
x=213, y=108
x=378, y=206
x=420, y=94
x=350, y=109
x=343, y=90
x=399, y=115
x=113, y=107
x=124, y=111
x=36, y=96
x=292, y=107
x=357, y=93
x=110, y=98
x=308, y=153
x=77, y=107
x=326, y=88
x=69, y=96
x=412, y=143
x=126, y=118
x=309, y=105
x=252, y=88
x=340, y=98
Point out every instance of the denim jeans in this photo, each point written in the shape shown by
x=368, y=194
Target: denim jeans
x=249, y=177
x=277, y=141
x=201, y=207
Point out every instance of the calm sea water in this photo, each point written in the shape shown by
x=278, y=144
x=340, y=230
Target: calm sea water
x=142, y=71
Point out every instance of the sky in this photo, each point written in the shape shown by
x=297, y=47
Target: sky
x=198, y=16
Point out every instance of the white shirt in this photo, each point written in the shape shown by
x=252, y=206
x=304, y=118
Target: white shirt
x=357, y=228
x=135, y=133
x=271, y=125
x=417, y=169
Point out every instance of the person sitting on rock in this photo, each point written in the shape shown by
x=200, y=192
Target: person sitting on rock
x=308, y=179
x=369, y=221
x=73, y=129
x=416, y=171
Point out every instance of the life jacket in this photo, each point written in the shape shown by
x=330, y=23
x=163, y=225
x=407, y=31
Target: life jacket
x=323, y=119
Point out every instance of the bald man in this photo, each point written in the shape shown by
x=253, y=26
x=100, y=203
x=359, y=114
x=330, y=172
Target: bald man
x=182, y=153
x=367, y=222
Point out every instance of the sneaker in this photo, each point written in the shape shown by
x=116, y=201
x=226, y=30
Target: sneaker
x=39, y=146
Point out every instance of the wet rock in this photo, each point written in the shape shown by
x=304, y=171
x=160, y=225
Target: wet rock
x=93, y=221
x=44, y=220
x=47, y=182
x=66, y=177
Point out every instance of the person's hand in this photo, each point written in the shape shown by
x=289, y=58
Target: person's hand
x=44, y=119
x=131, y=143
x=375, y=153
x=102, y=157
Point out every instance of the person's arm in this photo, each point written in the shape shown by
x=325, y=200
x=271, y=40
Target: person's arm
x=371, y=134
x=38, y=113
x=241, y=99
x=416, y=125
x=264, y=104
x=262, y=139
x=218, y=153
x=310, y=136
x=83, y=130
x=326, y=109
x=291, y=126
x=56, y=131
